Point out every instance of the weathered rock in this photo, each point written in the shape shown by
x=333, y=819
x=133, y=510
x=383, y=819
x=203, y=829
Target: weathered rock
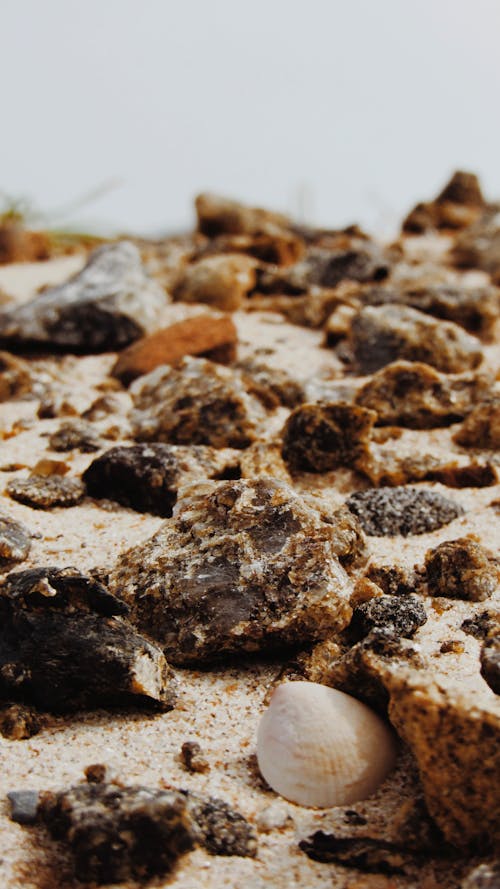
x=272, y=385
x=481, y=429
x=62, y=648
x=360, y=261
x=482, y=625
x=401, y=616
x=44, y=492
x=220, y=281
x=279, y=247
x=218, y=215
x=380, y=335
x=415, y=395
x=457, y=206
x=204, y=335
x=373, y=856
x=18, y=722
x=386, y=512
x=461, y=569
x=242, y=566
x=479, y=245
x=193, y=757
x=105, y=306
x=395, y=580
x=198, y=402
x=219, y=828
x=76, y=435
x=148, y=476
x=18, y=244
x=490, y=663
x=319, y=437
x=15, y=541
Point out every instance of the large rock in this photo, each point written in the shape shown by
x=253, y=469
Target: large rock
x=105, y=306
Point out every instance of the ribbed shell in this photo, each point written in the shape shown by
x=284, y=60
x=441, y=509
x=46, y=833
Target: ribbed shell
x=317, y=746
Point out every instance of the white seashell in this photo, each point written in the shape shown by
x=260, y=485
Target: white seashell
x=317, y=746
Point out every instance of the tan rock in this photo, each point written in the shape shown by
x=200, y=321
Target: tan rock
x=221, y=281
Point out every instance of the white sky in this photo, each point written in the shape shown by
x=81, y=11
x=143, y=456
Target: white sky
x=350, y=109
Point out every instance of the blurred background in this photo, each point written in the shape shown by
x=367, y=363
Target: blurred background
x=115, y=113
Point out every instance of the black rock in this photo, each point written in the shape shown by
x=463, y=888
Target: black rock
x=386, y=512
x=402, y=615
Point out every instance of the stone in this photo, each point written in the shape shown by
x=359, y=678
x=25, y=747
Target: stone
x=24, y=806
x=402, y=616
x=277, y=248
x=481, y=428
x=218, y=215
x=416, y=396
x=44, y=492
x=374, y=856
x=15, y=377
x=359, y=260
x=15, y=541
x=18, y=722
x=220, y=829
x=323, y=436
x=242, y=566
x=75, y=435
x=146, y=477
x=482, y=625
x=387, y=512
x=273, y=386
x=197, y=402
x=221, y=281
x=484, y=876
x=193, y=757
x=63, y=646
x=461, y=569
x=380, y=335
x=457, y=206
x=478, y=247
x=490, y=662
x=201, y=336
x=105, y=306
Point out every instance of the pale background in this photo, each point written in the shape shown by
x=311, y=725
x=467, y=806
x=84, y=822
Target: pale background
x=334, y=110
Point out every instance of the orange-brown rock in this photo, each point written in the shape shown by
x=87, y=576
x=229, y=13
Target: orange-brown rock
x=19, y=245
x=458, y=205
x=198, y=336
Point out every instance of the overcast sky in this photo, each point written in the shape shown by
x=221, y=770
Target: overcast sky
x=335, y=110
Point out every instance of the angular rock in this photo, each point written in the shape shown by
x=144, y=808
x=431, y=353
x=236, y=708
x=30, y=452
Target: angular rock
x=461, y=569
x=24, y=806
x=319, y=437
x=373, y=856
x=481, y=429
x=18, y=722
x=272, y=385
x=105, y=306
x=380, y=335
x=415, y=395
x=281, y=248
x=490, y=663
x=360, y=261
x=457, y=206
x=147, y=476
x=485, y=876
x=193, y=757
x=400, y=616
x=198, y=402
x=15, y=541
x=219, y=828
x=242, y=566
x=482, y=625
x=75, y=435
x=200, y=336
x=62, y=648
x=44, y=492
x=386, y=512
x=220, y=281
x=218, y=215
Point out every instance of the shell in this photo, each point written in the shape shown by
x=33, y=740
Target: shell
x=317, y=746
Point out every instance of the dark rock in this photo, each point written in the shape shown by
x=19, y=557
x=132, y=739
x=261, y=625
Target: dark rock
x=105, y=306
x=478, y=247
x=362, y=261
x=490, y=663
x=395, y=580
x=24, y=806
x=481, y=625
x=231, y=572
x=272, y=385
x=62, y=649
x=44, y=492
x=401, y=616
x=75, y=435
x=218, y=215
x=220, y=829
x=373, y=856
x=386, y=512
x=380, y=335
x=15, y=541
x=460, y=569
x=320, y=437
x=18, y=722
x=457, y=206
x=481, y=429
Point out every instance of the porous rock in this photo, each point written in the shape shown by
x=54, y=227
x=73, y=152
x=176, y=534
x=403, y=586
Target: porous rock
x=460, y=569
x=386, y=512
x=319, y=437
x=18, y=722
x=44, y=492
x=242, y=566
x=105, y=306
x=62, y=647
x=490, y=662
x=220, y=281
x=15, y=541
x=481, y=429
x=193, y=758
x=380, y=335
x=484, y=876
x=197, y=402
x=75, y=435
x=402, y=616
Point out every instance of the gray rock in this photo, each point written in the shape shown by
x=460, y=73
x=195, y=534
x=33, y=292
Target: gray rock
x=15, y=540
x=385, y=512
x=24, y=806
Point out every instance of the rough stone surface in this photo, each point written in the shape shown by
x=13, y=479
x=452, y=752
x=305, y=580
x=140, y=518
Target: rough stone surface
x=202, y=336
x=461, y=569
x=490, y=663
x=218, y=215
x=105, y=306
x=220, y=829
x=373, y=856
x=193, y=757
x=220, y=281
x=359, y=261
x=380, y=335
x=198, y=402
x=15, y=377
x=272, y=385
x=481, y=429
x=24, y=806
x=44, y=492
x=415, y=395
x=18, y=722
x=478, y=246
x=15, y=541
x=242, y=566
x=456, y=207
x=401, y=616
x=320, y=437
x=62, y=648
x=76, y=435
x=402, y=510
x=147, y=476
x=485, y=876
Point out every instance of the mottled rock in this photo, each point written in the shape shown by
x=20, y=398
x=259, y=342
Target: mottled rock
x=204, y=336
x=319, y=437
x=481, y=429
x=478, y=247
x=395, y=580
x=75, y=435
x=18, y=722
x=219, y=828
x=62, y=648
x=18, y=244
x=485, y=876
x=380, y=335
x=482, y=625
x=147, y=476
x=220, y=281
x=242, y=566
x=44, y=492
x=457, y=206
x=218, y=215
x=193, y=757
x=15, y=377
x=401, y=616
x=373, y=856
x=490, y=663
x=461, y=569
x=276, y=248
x=273, y=386
x=415, y=395
x=198, y=402
x=386, y=512
x=360, y=261
x=105, y=306
x=15, y=541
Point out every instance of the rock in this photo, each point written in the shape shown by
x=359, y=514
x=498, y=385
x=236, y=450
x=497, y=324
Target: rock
x=478, y=247
x=24, y=806
x=482, y=625
x=401, y=616
x=241, y=567
x=373, y=856
x=18, y=244
x=457, y=206
x=380, y=335
x=415, y=395
x=481, y=428
x=201, y=336
x=359, y=260
x=394, y=580
x=15, y=541
x=198, y=402
x=490, y=663
x=105, y=306
x=62, y=648
x=220, y=281
x=76, y=435
x=386, y=512
x=460, y=569
x=220, y=829
x=18, y=722
x=272, y=385
x=323, y=436
x=44, y=492
x=147, y=477
x=15, y=377
x=278, y=248
x=218, y=215
x=485, y=876
x=193, y=757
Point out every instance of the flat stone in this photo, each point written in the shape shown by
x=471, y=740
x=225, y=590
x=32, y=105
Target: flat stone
x=74, y=435
x=44, y=492
x=386, y=512
x=24, y=806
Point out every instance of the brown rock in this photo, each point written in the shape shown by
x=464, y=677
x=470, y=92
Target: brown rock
x=44, y=492
x=461, y=569
x=320, y=437
x=481, y=429
x=221, y=281
x=457, y=206
x=281, y=248
x=15, y=377
x=478, y=246
x=18, y=722
x=218, y=215
x=198, y=336
x=19, y=245
x=193, y=758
